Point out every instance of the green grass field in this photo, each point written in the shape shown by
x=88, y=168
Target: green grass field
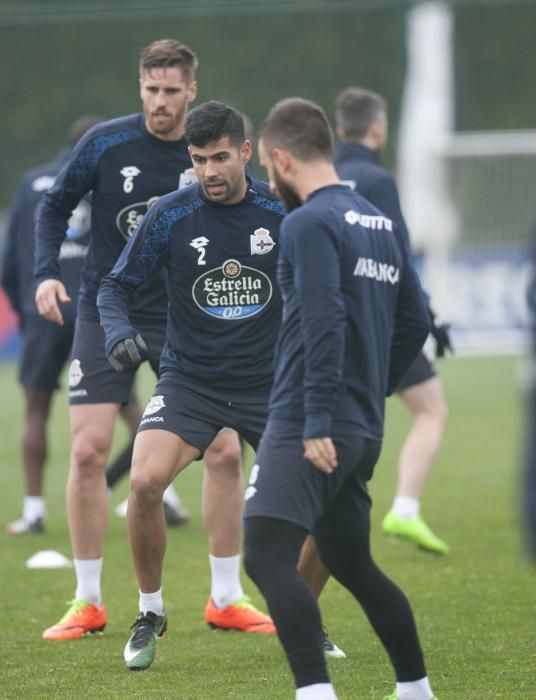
x=474, y=608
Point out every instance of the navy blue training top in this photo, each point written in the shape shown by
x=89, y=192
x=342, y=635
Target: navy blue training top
x=354, y=316
x=360, y=167
x=220, y=264
x=126, y=169
x=18, y=258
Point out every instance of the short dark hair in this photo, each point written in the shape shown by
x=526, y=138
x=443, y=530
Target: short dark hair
x=301, y=126
x=356, y=109
x=212, y=121
x=168, y=53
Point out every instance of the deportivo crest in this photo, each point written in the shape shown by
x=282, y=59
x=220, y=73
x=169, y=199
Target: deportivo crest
x=128, y=219
x=261, y=242
x=154, y=405
x=187, y=178
x=232, y=291
x=75, y=373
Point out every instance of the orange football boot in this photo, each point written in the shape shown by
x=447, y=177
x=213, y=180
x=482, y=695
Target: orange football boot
x=241, y=615
x=82, y=618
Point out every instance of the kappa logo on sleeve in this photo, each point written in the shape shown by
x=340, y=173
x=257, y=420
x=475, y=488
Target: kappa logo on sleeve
x=261, y=242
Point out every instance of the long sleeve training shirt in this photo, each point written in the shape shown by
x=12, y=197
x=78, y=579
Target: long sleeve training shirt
x=220, y=266
x=354, y=316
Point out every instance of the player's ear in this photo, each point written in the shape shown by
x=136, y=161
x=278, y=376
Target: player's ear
x=282, y=158
x=246, y=151
x=191, y=91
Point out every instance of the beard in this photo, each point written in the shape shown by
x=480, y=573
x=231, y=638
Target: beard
x=287, y=193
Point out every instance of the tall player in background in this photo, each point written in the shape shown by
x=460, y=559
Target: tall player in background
x=127, y=164
x=362, y=130
x=45, y=346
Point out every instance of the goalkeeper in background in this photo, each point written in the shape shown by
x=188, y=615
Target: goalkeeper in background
x=362, y=130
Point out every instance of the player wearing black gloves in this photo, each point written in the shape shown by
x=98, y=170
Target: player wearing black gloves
x=362, y=130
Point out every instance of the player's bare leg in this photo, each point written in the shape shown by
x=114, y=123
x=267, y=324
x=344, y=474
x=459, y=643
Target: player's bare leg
x=92, y=429
x=223, y=494
x=427, y=404
x=34, y=455
x=228, y=607
x=159, y=456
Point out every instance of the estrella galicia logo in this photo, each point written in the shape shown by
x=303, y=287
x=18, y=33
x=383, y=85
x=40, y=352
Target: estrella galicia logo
x=232, y=291
x=128, y=219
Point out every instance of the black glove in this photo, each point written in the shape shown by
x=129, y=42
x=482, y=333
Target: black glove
x=127, y=353
x=440, y=334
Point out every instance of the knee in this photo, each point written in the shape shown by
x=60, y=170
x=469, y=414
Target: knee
x=224, y=455
x=145, y=485
x=88, y=456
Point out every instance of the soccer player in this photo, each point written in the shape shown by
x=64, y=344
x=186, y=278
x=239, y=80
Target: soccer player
x=353, y=320
x=127, y=164
x=362, y=129
x=217, y=242
x=45, y=346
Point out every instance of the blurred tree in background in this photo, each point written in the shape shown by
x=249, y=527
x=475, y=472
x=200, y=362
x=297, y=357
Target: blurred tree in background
x=63, y=58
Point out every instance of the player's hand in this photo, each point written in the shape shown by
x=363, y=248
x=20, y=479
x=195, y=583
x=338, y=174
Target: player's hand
x=127, y=353
x=47, y=296
x=441, y=334
x=321, y=453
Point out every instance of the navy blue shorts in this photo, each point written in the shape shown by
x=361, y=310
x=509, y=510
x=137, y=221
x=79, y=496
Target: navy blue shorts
x=45, y=351
x=198, y=418
x=420, y=371
x=286, y=486
x=92, y=379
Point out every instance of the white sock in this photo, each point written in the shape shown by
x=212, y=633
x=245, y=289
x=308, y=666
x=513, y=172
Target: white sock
x=171, y=497
x=226, y=586
x=33, y=507
x=88, y=575
x=415, y=690
x=152, y=602
x=405, y=507
x=318, y=691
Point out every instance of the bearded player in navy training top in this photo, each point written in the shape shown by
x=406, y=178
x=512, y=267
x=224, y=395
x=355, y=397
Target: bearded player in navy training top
x=354, y=318
x=127, y=164
x=217, y=242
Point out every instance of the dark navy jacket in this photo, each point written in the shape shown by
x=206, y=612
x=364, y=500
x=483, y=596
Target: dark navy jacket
x=224, y=305
x=18, y=258
x=354, y=317
x=359, y=167
x=126, y=169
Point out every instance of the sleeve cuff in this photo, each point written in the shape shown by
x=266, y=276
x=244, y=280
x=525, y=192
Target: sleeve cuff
x=317, y=425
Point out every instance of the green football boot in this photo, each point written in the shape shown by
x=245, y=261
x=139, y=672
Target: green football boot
x=140, y=650
x=415, y=530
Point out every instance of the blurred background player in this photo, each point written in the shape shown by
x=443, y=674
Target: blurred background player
x=45, y=345
x=362, y=130
x=126, y=164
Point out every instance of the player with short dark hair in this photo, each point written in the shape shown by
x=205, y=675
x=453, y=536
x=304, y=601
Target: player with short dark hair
x=126, y=164
x=362, y=129
x=45, y=346
x=217, y=242
x=353, y=320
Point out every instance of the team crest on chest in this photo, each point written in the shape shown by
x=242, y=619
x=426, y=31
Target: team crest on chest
x=261, y=242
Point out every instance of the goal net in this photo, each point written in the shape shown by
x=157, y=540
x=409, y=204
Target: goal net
x=478, y=274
